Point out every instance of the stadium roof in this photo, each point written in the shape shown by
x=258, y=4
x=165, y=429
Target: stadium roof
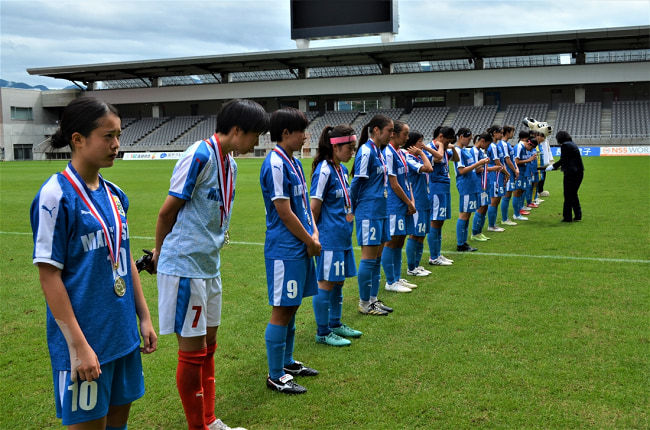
x=561, y=42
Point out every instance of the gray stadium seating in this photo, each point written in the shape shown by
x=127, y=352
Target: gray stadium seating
x=476, y=118
x=426, y=119
x=630, y=119
x=580, y=120
x=515, y=114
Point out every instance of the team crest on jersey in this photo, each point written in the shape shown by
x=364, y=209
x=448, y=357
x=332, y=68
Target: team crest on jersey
x=118, y=204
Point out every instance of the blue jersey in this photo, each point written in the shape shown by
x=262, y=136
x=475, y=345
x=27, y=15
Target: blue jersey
x=69, y=237
x=369, y=185
x=532, y=165
x=466, y=183
x=419, y=182
x=522, y=154
x=494, y=153
x=396, y=166
x=482, y=177
x=330, y=185
x=191, y=249
x=282, y=177
x=439, y=181
x=508, y=153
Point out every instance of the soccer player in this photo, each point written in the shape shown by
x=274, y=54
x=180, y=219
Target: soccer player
x=331, y=205
x=369, y=193
x=469, y=187
x=419, y=168
x=513, y=171
x=90, y=282
x=441, y=149
x=292, y=241
x=497, y=178
x=481, y=143
x=522, y=157
x=192, y=228
x=400, y=209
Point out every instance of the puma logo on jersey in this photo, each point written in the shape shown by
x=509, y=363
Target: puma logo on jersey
x=83, y=212
x=50, y=211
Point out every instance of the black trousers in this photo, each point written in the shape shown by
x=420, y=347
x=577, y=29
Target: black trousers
x=572, y=181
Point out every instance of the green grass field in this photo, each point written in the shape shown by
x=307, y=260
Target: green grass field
x=547, y=326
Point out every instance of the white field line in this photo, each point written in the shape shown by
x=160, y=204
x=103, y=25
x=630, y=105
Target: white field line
x=493, y=254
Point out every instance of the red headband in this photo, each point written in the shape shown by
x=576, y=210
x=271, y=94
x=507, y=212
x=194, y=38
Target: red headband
x=342, y=139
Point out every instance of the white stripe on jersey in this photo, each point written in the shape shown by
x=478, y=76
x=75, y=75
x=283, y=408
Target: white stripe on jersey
x=63, y=376
x=323, y=180
x=48, y=206
x=365, y=230
x=278, y=281
x=327, y=263
x=277, y=169
x=364, y=154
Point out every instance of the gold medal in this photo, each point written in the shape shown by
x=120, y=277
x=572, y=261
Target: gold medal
x=385, y=193
x=119, y=286
x=349, y=217
x=226, y=237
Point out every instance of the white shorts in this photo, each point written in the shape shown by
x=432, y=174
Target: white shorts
x=187, y=306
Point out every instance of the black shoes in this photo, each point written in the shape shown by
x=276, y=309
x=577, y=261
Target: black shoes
x=299, y=369
x=285, y=385
x=465, y=248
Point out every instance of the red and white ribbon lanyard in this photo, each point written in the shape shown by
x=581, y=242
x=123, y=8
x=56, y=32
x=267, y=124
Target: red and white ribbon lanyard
x=346, y=195
x=297, y=172
x=484, y=175
x=381, y=160
x=403, y=160
x=225, y=174
x=84, y=193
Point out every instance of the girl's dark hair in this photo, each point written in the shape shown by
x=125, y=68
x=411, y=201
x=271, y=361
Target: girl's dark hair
x=523, y=134
x=288, y=118
x=242, y=113
x=398, y=126
x=507, y=129
x=533, y=141
x=379, y=120
x=81, y=116
x=485, y=136
x=325, y=148
x=414, y=136
x=563, y=136
x=494, y=129
x=436, y=132
x=464, y=131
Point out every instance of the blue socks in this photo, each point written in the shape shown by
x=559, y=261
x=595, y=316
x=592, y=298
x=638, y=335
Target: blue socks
x=364, y=278
x=388, y=263
x=321, y=304
x=376, y=277
x=435, y=242
x=492, y=216
x=276, y=341
x=479, y=222
x=291, y=337
x=336, y=305
x=505, y=207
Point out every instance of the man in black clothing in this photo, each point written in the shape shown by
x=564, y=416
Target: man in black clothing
x=571, y=164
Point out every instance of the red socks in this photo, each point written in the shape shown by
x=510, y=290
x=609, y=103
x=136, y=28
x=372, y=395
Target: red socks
x=207, y=381
x=189, y=384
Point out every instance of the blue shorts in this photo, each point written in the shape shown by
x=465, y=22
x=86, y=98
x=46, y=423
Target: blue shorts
x=535, y=176
x=400, y=225
x=441, y=207
x=510, y=185
x=522, y=182
x=120, y=383
x=483, y=198
x=288, y=281
x=335, y=266
x=497, y=189
x=468, y=203
x=372, y=232
x=421, y=223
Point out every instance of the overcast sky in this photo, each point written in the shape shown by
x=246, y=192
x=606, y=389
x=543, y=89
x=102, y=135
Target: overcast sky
x=59, y=32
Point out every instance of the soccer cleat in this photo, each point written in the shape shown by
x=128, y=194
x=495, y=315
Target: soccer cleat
x=407, y=284
x=220, y=425
x=379, y=304
x=479, y=238
x=372, y=309
x=484, y=236
x=465, y=248
x=397, y=287
x=438, y=262
x=423, y=270
x=544, y=194
x=538, y=201
x=524, y=212
x=519, y=218
x=332, y=339
x=508, y=222
x=299, y=369
x=496, y=229
x=533, y=205
x=345, y=331
x=285, y=385
x=448, y=260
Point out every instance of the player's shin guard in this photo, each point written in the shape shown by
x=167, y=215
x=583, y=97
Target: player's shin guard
x=387, y=263
x=376, y=278
x=190, y=389
x=411, y=253
x=461, y=235
x=505, y=207
x=321, y=304
x=336, y=305
x=364, y=278
x=276, y=338
x=207, y=382
x=291, y=338
x=492, y=215
x=479, y=222
x=435, y=242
